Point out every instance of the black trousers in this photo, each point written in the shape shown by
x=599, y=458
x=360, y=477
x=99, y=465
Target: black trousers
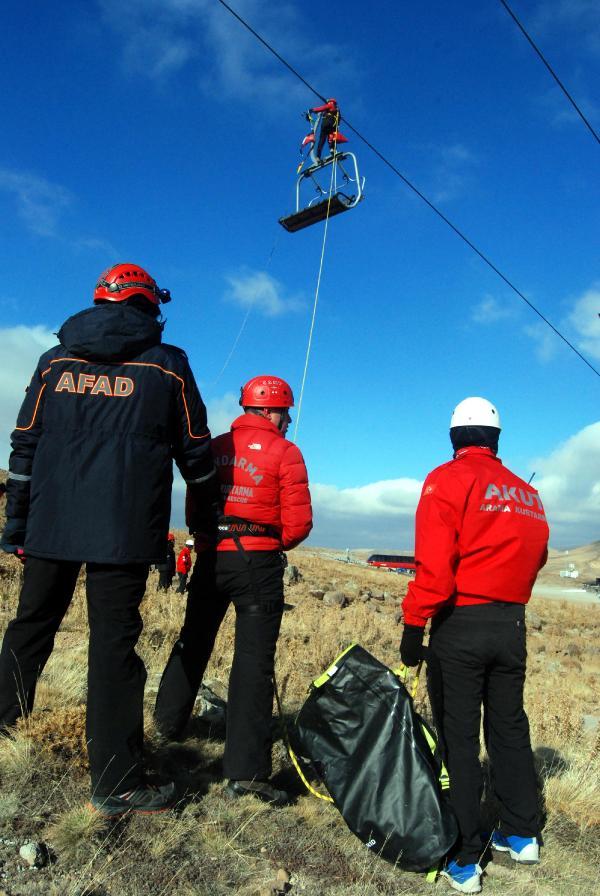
x=182, y=583
x=481, y=657
x=165, y=579
x=254, y=583
x=116, y=674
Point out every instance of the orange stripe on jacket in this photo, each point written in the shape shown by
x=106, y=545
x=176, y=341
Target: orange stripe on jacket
x=126, y=364
x=35, y=410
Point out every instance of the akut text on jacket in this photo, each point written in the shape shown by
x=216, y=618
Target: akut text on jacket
x=481, y=535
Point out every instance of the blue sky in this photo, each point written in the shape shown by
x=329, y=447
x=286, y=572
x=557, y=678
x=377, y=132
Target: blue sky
x=166, y=135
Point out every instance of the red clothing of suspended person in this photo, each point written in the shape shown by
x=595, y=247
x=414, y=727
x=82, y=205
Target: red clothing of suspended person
x=329, y=118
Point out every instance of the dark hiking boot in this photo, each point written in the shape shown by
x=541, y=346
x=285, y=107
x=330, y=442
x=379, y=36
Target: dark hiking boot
x=262, y=790
x=147, y=799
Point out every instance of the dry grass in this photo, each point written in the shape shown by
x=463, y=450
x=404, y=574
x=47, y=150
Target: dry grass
x=214, y=847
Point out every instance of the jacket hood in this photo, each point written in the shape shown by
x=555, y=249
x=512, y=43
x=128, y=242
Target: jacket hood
x=109, y=332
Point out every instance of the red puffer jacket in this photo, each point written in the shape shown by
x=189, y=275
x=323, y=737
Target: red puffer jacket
x=184, y=560
x=263, y=479
x=481, y=534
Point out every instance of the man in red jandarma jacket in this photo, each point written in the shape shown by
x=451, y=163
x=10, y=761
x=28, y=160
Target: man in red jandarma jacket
x=481, y=539
x=266, y=509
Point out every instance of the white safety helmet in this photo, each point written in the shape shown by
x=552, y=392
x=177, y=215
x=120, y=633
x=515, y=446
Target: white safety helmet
x=190, y=542
x=475, y=412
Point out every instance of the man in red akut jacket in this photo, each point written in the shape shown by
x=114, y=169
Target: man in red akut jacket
x=266, y=510
x=481, y=538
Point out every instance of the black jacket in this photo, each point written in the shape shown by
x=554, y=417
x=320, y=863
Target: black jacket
x=167, y=564
x=107, y=411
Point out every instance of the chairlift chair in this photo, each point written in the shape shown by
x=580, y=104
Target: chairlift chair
x=330, y=199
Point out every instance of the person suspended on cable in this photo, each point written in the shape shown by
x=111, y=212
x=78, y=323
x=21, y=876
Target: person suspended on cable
x=327, y=124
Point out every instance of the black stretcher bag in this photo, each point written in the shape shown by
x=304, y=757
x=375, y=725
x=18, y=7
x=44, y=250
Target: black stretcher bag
x=378, y=760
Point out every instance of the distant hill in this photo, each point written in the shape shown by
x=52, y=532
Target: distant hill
x=586, y=559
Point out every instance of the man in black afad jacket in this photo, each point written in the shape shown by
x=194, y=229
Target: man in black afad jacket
x=90, y=478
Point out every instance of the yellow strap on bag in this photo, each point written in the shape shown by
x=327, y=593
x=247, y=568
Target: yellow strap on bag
x=403, y=672
x=291, y=754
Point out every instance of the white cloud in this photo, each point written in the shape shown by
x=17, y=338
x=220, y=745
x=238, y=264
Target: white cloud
x=561, y=110
x=585, y=321
x=21, y=348
x=379, y=515
x=389, y=497
x=581, y=325
x=546, y=341
x=489, y=311
x=41, y=206
x=452, y=169
x=160, y=37
x=222, y=412
x=39, y=202
x=568, y=481
x=572, y=21
x=260, y=291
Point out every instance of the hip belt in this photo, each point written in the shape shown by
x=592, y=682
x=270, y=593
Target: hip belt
x=234, y=527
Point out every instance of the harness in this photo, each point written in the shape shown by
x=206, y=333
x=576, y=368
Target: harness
x=236, y=528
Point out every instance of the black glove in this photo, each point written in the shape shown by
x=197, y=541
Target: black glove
x=203, y=522
x=13, y=537
x=411, y=646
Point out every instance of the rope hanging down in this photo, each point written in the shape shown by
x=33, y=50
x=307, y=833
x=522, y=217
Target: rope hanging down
x=415, y=190
x=314, y=313
x=243, y=326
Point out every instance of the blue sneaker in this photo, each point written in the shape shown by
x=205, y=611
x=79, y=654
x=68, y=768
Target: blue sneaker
x=522, y=849
x=464, y=878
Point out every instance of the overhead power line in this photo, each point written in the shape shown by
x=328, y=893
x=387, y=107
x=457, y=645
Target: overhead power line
x=415, y=190
x=550, y=69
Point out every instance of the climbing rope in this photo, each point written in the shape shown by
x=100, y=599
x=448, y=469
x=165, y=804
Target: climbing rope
x=316, y=301
x=244, y=322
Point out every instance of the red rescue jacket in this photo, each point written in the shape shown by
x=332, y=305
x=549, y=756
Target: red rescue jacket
x=263, y=479
x=184, y=560
x=481, y=535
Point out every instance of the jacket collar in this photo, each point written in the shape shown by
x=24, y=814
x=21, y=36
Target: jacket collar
x=474, y=451
x=254, y=421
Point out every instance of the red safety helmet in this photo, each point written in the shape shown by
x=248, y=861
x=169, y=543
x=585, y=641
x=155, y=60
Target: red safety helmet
x=266, y=392
x=122, y=281
x=170, y=537
x=332, y=100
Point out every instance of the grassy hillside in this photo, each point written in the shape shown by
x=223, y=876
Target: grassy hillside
x=211, y=846
x=586, y=559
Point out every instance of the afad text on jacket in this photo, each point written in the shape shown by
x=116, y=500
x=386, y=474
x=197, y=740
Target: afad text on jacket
x=106, y=412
